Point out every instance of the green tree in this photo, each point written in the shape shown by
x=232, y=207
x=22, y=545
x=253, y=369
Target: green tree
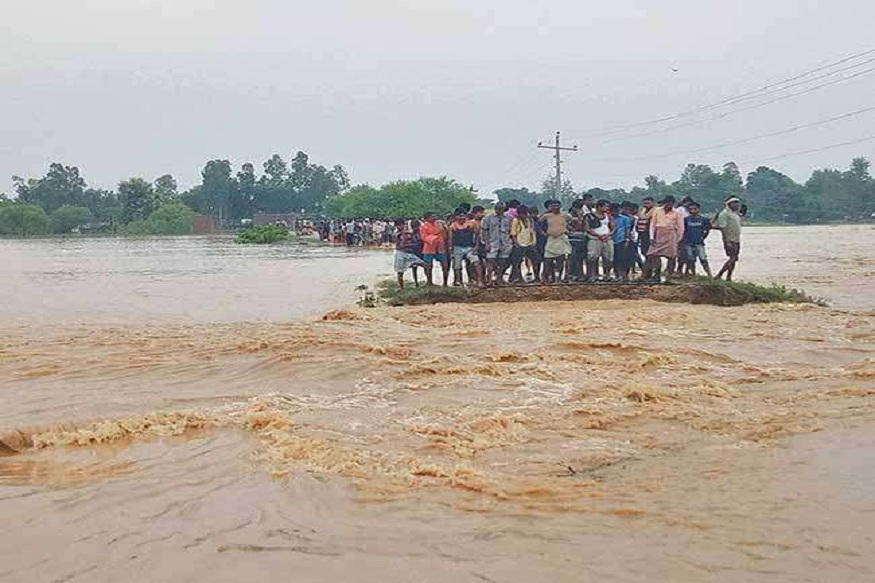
x=104, y=205
x=66, y=218
x=276, y=171
x=527, y=197
x=137, y=198
x=218, y=186
x=62, y=185
x=825, y=194
x=165, y=188
x=23, y=220
x=194, y=198
x=773, y=196
x=245, y=194
x=172, y=219
x=860, y=189
x=340, y=178
x=562, y=192
x=655, y=187
x=404, y=198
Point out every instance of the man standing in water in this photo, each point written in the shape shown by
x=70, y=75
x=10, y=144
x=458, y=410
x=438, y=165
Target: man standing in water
x=728, y=222
x=666, y=234
x=495, y=234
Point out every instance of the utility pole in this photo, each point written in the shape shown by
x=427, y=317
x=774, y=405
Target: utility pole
x=558, y=149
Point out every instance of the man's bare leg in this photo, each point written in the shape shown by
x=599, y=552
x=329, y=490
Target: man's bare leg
x=706, y=266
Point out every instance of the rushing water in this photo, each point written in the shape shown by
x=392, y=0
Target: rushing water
x=175, y=280
x=176, y=410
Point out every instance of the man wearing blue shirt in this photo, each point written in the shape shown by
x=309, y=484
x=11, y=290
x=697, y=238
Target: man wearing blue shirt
x=696, y=229
x=622, y=240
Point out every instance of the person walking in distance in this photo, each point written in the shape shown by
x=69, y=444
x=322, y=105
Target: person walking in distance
x=728, y=222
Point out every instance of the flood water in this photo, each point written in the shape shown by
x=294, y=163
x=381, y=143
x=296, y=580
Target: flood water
x=178, y=410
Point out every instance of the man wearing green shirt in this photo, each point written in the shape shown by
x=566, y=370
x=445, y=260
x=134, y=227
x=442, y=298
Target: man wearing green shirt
x=728, y=222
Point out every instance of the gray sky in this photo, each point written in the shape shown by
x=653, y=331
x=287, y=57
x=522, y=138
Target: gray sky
x=399, y=89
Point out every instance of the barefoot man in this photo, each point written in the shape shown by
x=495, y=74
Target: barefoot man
x=728, y=222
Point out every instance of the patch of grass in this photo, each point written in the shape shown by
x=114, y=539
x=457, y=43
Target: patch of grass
x=263, y=235
x=699, y=290
x=736, y=293
x=389, y=292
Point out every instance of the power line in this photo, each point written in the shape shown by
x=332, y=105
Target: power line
x=524, y=160
x=522, y=170
x=746, y=140
x=526, y=175
x=735, y=98
x=748, y=108
x=812, y=151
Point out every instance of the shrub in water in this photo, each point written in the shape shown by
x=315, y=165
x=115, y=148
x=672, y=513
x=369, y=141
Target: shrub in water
x=263, y=235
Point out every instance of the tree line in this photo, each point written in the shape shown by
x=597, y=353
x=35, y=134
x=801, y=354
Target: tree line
x=61, y=201
x=829, y=195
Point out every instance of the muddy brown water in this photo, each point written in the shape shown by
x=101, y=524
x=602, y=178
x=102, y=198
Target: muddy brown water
x=178, y=410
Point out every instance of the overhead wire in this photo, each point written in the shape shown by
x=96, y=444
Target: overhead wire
x=745, y=140
x=735, y=111
x=811, y=151
x=758, y=92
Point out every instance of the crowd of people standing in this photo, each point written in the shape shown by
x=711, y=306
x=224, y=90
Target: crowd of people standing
x=358, y=232
x=593, y=241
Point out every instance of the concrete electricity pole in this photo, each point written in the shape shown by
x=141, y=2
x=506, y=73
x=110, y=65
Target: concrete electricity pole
x=557, y=148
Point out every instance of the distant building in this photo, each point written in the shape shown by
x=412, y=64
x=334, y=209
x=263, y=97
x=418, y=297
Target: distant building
x=205, y=225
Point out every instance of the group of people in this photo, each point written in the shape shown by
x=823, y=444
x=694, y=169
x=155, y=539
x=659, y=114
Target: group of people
x=593, y=241
x=358, y=232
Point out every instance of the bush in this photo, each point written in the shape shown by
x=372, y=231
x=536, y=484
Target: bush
x=389, y=292
x=172, y=219
x=737, y=293
x=23, y=220
x=136, y=228
x=263, y=235
x=66, y=218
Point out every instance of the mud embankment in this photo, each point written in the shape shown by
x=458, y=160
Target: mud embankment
x=699, y=291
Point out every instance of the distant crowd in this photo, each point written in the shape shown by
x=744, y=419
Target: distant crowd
x=358, y=232
x=592, y=241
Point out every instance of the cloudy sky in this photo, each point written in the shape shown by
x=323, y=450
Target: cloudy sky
x=404, y=88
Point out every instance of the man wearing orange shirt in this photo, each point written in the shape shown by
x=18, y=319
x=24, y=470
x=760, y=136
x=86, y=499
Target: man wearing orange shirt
x=434, y=247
